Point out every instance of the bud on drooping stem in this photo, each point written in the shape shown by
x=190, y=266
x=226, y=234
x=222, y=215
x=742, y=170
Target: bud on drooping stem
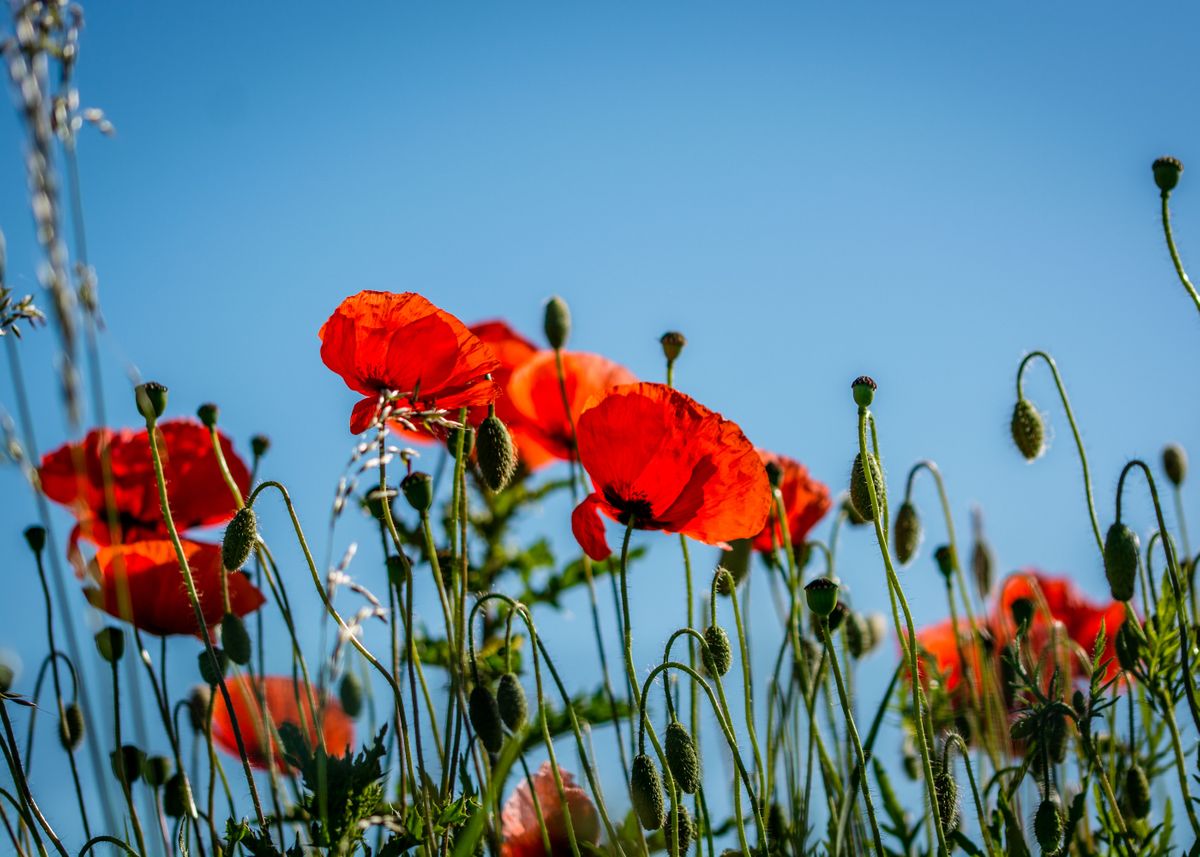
x=860, y=493
x=1048, y=826
x=241, y=535
x=907, y=532
x=1137, y=791
x=71, y=727
x=235, y=639
x=510, y=697
x=497, y=454
x=945, y=789
x=718, y=655
x=485, y=718
x=1174, y=462
x=681, y=757
x=1121, y=561
x=646, y=792
x=557, y=322
x=1028, y=432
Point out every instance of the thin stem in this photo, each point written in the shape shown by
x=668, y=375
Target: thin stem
x=1175, y=260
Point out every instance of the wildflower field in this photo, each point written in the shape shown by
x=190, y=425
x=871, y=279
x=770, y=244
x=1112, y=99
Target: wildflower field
x=459, y=572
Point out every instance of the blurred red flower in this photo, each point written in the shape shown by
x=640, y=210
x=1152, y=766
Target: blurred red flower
x=805, y=501
x=519, y=822
x=401, y=345
x=73, y=475
x=142, y=584
x=661, y=459
x=283, y=698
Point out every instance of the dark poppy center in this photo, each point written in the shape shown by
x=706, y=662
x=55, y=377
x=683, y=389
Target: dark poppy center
x=636, y=507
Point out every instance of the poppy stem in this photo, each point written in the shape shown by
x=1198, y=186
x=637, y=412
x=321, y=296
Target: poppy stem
x=1175, y=260
x=12, y=756
x=955, y=739
x=123, y=775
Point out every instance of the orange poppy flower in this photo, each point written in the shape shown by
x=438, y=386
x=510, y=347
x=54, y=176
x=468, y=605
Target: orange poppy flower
x=73, y=475
x=519, y=821
x=281, y=695
x=542, y=429
x=661, y=459
x=145, y=577
x=805, y=501
x=404, y=347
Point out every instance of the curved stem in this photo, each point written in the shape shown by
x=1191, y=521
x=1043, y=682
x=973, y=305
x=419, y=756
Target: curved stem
x=1175, y=260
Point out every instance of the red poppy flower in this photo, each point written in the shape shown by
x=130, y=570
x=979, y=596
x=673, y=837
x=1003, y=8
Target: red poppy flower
x=805, y=501
x=73, y=475
x=284, y=699
x=541, y=428
x=940, y=643
x=661, y=459
x=404, y=347
x=142, y=584
x=519, y=821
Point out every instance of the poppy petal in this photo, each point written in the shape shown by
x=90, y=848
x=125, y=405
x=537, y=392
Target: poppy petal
x=588, y=527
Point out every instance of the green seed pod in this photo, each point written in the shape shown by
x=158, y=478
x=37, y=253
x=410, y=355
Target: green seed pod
x=110, y=643
x=197, y=706
x=1166, y=173
x=126, y=764
x=208, y=672
x=1128, y=646
x=156, y=770
x=1048, y=826
x=35, y=537
x=177, y=797
x=1137, y=791
x=672, y=343
x=687, y=830
x=235, y=638
x=1174, y=462
x=645, y=788
x=240, y=537
x=497, y=455
x=864, y=388
x=260, y=444
x=468, y=441
x=822, y=595
x=151, y=399
x=1028, y=432
x=945, y=789
x=557, y=322
x=1121, y=561
x=719, y=655
x=860, y=494
x=510, y=696
x=71, y=727
x=906, y=532
x=350, y=694
x=485, y=718
x=418, y=490
x=681, y=757
x=208, y=414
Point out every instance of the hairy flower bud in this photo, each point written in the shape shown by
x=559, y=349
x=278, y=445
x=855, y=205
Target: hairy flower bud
x=860, y=493
x=156, y=770
x=1174, y=462
x=718, y=655
x=350, y=694
x=110, y=643
x=197, y=706
x=497, y=455
x=1121, y=561
x=235, y=639
x=557, y=322
x=177, y=797
x=241, y=534
x=1028, y=432
x=484, y=712
x=945, y=789
x=126, y=763
x=687, y=830
x=864, y=388
x=35, y=537
x=1048, y=826
x=1129, y=647
x=1137, y=791
x=1166, y=173
x=680, y=751
x=208, y=414
x=211, y=674
x=821, y=595
x=906, y=532
x=510, y=696
x=858, y=635
x=646, y=791
x=151, y=399
x=468, y=441
x=71, y=727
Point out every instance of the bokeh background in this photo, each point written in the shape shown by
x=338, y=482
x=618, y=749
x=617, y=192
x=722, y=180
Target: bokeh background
x=922, y=193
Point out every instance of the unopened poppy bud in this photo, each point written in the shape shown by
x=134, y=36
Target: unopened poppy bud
x=853, y=516
x=497, y=454
x=1022, y=612
x=1079, y=703
x=126, y=763
x=1048, y=826
x=35, y=537
x=1028, y=432
x=70, y=727
x=646, y=791
x=177, y=797
x=1023, y=728
x=1166, y=173
x=211, y=673
x=838, y=617
x=485, y=718
x=774, y=474
x=468, y=441
x=1054, y=736
x=259, y=444
x=1174, y=462
x=724, y=580
x=198, y=702
x=860, y=493
x=1137, y=791
x=945, y=789
x=718, y=656
x=235, y=639
x=1128, y=646
x=110, y=643
x=864, y=388
x=397, y=570
x=906, y=532
x=672, y=344
x=687, y=830
x=982, y=564
x=510, y=697
x=350, y=694
x=1121, y=561
x=151, y=399
x=857, y=635
x=680, y=751
x=418, y=490
x=557, y=323
x=156, y=770
x=241, y=534
x=945, y=560
x=822, y=595
x=208, y=414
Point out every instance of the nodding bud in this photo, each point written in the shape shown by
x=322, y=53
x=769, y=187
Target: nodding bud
x=945, y=789
x=687, y=830
x=1174, y=462
x=864, y=388
x=350, y=694
x=821, y=595
x=982, y=561
x=126, y=764
x=718, y=655
x=672, y=343
x=35, y=537
x=151, y=399
x=510, y=697
x=557, y=322
x=774, y=474
x=723, y=580
x=1137, y=791
x=208, y=414
x=212, y=673
x=1022, y=612
x=646, y=791
x=259, y=444
x=1121, y=561
x=1028, y=432
x=418, y=490
x=853, y=516
x=156, y=770
x=680, y=751
x=1054, y=736
x=198, y=702
x=71, y=727
x=1166, y=173
x=858, y=635
x=838, y=617
x=860, y=494
x=468, y=441
x=1048, y=825
x=235, y=639
x=497, y=454
x=945, y=560
x=1129, y=647
x=241, y=534
x=177, y=797
x=484, y=712
x=907, y=532
x=110, y=643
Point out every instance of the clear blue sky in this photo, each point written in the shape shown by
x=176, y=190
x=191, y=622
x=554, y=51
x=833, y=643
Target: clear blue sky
x=922, y=193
